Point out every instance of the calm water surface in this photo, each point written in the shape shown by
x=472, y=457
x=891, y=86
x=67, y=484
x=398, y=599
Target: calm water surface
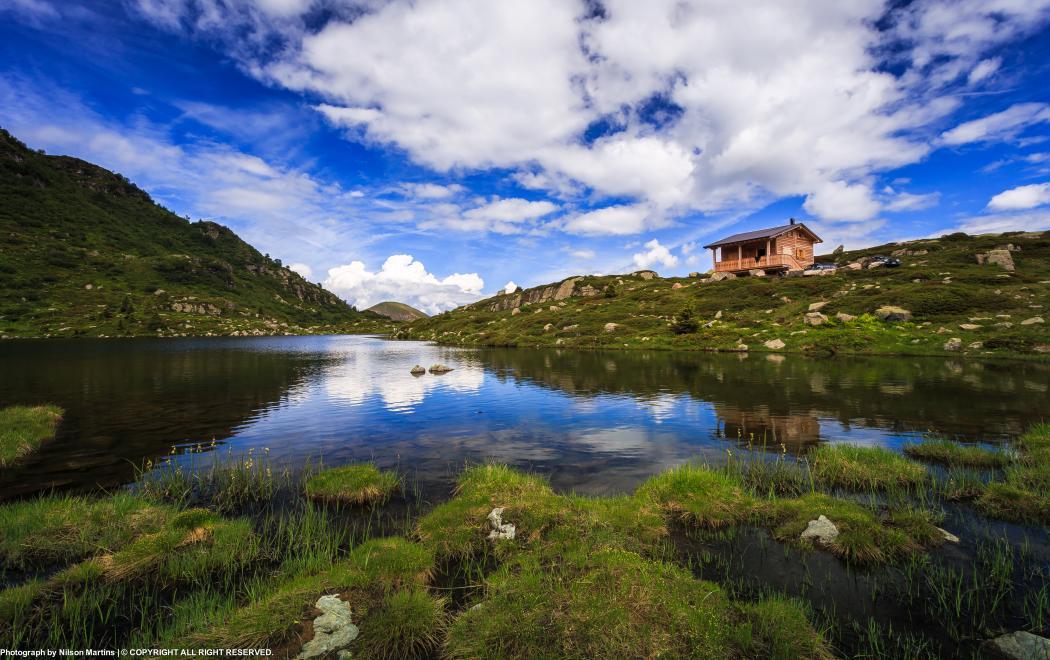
x=595, y=422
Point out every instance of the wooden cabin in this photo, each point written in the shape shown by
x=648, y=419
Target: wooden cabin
x=777, y=249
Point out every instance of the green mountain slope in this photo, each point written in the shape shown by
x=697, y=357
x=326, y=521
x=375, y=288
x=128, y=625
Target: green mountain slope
x=84, y=252
x=952, y=304
x=397, y=311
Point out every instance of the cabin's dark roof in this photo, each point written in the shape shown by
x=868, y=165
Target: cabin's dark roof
x=759, y=234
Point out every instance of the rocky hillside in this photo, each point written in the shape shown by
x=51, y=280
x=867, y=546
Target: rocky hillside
x=397, y=311
x=85, y=252
x=979, y=295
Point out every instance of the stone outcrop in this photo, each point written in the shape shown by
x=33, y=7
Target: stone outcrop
x=999, y=257
x=1018, y=645
x=646, y=274
x=893, y=314
x=538, y=295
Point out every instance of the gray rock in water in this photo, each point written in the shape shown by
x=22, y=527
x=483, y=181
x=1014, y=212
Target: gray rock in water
x=953, y=344
x=439, y=369
x=417, y=370
x=948, y=536
x=500, y=529
x=333, y=630
x=821, y=531
x=1017, y=646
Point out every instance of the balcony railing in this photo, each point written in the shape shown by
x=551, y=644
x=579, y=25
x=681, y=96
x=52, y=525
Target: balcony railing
x=748, y=263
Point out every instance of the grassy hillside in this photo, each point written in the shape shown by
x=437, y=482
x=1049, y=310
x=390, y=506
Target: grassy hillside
x=84, y=252
x=956, y=306
x=397, y=311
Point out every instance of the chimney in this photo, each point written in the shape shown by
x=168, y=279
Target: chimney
x=792, y=221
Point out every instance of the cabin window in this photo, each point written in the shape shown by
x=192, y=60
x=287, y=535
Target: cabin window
x=800, y=253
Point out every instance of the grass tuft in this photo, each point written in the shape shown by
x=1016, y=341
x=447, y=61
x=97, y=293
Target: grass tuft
x=700, y=496
x=947, y=452
x=864, y=468
x=353, y=484
x=24, y=428
x=408, y=624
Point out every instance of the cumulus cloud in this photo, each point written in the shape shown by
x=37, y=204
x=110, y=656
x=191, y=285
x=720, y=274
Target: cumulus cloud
x=403, y=279
x=655, y=254
x=303, y=269
x=1021, y=198
x=997, y=223
x=510, y=287
x=904, y=201
x=748, y=111
x=999, y=126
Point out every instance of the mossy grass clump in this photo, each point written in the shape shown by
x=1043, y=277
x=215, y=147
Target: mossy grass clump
x=605, y=604
x=699, y=495
x=947, y=452
x=1025, y=495
x=56, y=530
x=864, y=468
x=778, y=627
x=409, y=623
x=363, y=483
x=24, y=428
x=863, y=538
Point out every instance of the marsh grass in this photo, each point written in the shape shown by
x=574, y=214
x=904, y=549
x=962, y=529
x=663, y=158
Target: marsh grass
x=24, y=428
x=956, y=454
x=864, y=468
x=363, y=483
x=1025, y=494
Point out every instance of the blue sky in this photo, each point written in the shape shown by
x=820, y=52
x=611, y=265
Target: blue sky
x=433, y=151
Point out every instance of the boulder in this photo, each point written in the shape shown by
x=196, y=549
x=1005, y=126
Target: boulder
x=774, y=344
x=554, y=308
x=953, y=344
x=821, y=531
x=1018, y=645
x=694, y=274
x=893, y=314
x=676, y=285
x=611, y=327
x=718, y=314
x=815, y=318
x=417, y=370
x=948, y=536
x=547, y=327
x=839, y=250
x=817, y=306
x=645, y=274
x=1033, y=321
x=875, y=264
x=440, y=369
x=718, y=277
x=970, y=326
x=500, y=529
x=844, y=317
x=854, y=265
x=741, y=348
x=333, y=629
x=756, y=272
x=999, y=257
x=515, y=311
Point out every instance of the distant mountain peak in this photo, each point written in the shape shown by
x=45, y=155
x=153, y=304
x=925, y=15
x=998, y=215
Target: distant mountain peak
x=397, y=311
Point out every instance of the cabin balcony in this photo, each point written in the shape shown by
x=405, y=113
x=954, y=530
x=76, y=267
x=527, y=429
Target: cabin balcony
x=771, y=262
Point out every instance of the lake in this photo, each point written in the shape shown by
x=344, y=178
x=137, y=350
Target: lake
x=594, y=422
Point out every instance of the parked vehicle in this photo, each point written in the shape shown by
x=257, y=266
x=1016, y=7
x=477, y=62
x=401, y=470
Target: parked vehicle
x=888, y=262
x=820, y=269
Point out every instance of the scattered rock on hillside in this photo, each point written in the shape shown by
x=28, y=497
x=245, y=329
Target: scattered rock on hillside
x=844, y=317
x=999, y=257
x=774, y=344
x=953, y=344
x=718, y=314
x=610, y=327
x=815, y=318
x=333, y=629
x=440, y=369
x=821, y=531
x=893, y=314
x=839, y=250
x=547, y=327
x=694, y=274
x=718, y=277
x=515, y=311
x=970, y=326
x=741, y=348
x=817, y=306
x=854, y=265
x=645, y=274
x=676, y=285
x=1018, y=645
x=417, y=370
x=756, y=272
x=1032, y=321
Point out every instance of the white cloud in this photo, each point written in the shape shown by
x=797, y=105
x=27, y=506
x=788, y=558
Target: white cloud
x=510, y=287
x=1000, y=126
x=656, y=254
x=997, y=223
x=406, y=280
x=1021, y=198
x=583, y=254
x=904, y=201
x=616, y=220
x=433, y=190
x=838, y=200
x=984, y=69
x=303, y=269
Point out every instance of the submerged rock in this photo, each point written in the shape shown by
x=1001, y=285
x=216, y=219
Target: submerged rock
x=417, y=370
x=500, y=529
x=821, y=531
x=948, y=536
x=333, y=630
x=439, y=369
x=1018, y=645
